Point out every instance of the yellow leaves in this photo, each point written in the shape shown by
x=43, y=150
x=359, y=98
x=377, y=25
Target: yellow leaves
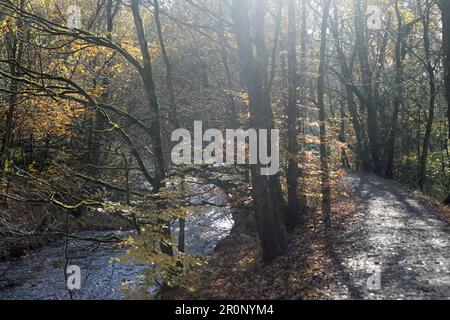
x=32, y=168
x=89, y=52
x=44, y=117
x=8, y=165
x=118, y=68
x=312, y=139
x=96, y=92
x=128, y=241
x=406, y=13
x=245, y=261
x=79, y=111
x=154, y=49
x=59, y=67
x=4, y=27
x=133, y=49
x=245, y=97
x=8, y=25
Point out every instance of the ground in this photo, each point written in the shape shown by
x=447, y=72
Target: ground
x=27, y=225
x=387, y=243
x=397, y=235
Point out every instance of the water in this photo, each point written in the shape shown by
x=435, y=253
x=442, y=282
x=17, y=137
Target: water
x=40, y=274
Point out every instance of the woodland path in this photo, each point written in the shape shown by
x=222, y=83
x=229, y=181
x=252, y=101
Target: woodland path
x=395, y=237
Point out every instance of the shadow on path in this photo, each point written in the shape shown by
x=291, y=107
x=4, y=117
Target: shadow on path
x=393, y=232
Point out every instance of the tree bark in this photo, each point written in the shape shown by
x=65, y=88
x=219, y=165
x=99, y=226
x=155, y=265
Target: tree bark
x=100, y=121
x=232, y=112
x=168, y=66
x=432, y=99
x=366, y=77
x=14, y=48
x=398, y=92
x=324, y=165
x=445, y=9
x=172, y=102
x=152, y=97
x=293, y=215
x=269, y=217
x=347, y=81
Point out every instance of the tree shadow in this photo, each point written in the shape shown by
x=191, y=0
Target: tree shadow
x=397, y=261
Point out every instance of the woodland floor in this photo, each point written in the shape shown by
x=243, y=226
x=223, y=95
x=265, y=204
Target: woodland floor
x=377, y=225
x=400, y=233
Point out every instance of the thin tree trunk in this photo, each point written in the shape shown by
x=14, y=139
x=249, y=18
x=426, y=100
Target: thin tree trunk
x=324, y=166
x=431, y=106
x=303, y=68
x=14, y=48
x=398, y=92
x=172, y=102
x=233, y=112
x=168, y=66
x=346, y=78
x=100, y=120
x=150, y=90
x=293, y=215
x=445, y=8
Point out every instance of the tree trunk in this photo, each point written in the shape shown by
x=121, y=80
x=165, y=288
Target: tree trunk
x=398, y=91
x=269, y=218
x=431, y=107
x=173, y=105
x=14, y=48
x=100, y=120
x=293, y=215
x=150, y=90
x=366, y=77
x=232, y=112
x=303, y=69
x=445, y=9
x=346, y=78
x=324, y=166
x=168, y=66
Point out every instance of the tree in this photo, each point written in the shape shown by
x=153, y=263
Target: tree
x=432, y=96
x=345, y=74
x=324, y=165
x=373, y=126
x=14, y=48
x=269, y=215
x=445, y=9
x=399, y=55
x=150, y=89
x=293, y=215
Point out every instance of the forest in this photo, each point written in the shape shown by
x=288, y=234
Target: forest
x=224, y=149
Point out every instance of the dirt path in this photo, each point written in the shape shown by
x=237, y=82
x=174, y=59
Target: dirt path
x=395, y=247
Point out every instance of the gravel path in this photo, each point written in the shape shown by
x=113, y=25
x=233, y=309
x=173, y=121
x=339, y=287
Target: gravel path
x=395, y=247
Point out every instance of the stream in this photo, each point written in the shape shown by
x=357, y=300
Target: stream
x=40, y=274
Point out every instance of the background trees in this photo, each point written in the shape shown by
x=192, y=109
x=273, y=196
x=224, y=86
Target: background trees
x=343, y=95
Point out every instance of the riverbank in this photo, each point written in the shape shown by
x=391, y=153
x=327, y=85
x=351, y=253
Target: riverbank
x=105, y=272
x=32, y=217
x=236, y=271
